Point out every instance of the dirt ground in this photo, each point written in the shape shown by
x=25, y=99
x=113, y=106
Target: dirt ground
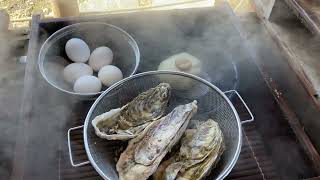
x=19, y=9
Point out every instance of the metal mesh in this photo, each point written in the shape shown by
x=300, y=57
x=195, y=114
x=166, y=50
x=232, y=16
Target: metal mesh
x=211, y=104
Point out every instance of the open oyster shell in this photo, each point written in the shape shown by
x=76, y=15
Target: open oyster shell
x=130, y=120
x=145, y=152
x=200, y=150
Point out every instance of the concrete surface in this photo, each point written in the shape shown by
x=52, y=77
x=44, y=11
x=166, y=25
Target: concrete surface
x=11, y=88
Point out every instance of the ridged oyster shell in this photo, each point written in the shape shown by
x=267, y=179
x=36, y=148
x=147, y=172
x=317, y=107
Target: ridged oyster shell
x=145, y=152
x=200, y=150
x=130, y=120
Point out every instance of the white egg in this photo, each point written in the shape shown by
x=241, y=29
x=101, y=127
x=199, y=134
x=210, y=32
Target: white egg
x=109, y=75
x=74, y=71
x=77, y=50
x=87, y=84
x=100, y=57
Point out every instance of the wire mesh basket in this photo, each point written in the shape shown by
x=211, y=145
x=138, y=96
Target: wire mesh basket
x=212, y=103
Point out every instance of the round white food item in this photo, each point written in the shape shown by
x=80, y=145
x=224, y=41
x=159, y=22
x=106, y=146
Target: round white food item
x=74, y=71
x=87, y=84
x=109, y=75
x=182, y=62
x=100, y=57
x=77, y=50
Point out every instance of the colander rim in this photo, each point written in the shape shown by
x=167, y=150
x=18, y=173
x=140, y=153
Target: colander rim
x=222, y=174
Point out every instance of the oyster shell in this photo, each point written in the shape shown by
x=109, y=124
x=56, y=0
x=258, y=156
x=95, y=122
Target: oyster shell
x=145, y=152
x=130, y=120
x=200, y=150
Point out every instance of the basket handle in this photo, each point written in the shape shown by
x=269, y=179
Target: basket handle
x=245, y=105
x=70, y=150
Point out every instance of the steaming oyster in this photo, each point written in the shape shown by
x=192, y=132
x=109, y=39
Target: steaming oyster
x=130, y=120
x=200, y=150
x=145, y=152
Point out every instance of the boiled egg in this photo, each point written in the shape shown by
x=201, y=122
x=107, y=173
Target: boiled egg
x=77, y=50
x=87, y=84
x=74, y=71
x=100, y=57
x=109, y=75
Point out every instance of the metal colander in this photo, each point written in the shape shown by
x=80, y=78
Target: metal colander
x=212, y=103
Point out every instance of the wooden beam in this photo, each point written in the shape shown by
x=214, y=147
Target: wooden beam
x=294, y=62
x=64, y=8
x=4, y=21
x=309, y=12
x=18, y=165
x=313, y=178
x=264, y=7
x=292, y=118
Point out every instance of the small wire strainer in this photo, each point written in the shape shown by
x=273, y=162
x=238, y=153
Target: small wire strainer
x=212, y=103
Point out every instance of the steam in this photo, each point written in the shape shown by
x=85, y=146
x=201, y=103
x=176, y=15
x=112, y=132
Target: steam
x=11, y=87
x=211, y=38
x=278, y=136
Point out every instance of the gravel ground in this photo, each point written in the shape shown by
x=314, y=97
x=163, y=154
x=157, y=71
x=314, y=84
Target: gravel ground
x=19, y=9
x=22, y=9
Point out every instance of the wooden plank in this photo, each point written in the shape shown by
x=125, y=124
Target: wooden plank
x=297, y=45
x=291, y=116
x=264, y=7
x=295, y=62
x=4, y=21
x=26, y=105
x=293, y=120
x=63, y=8
x=313, y=178
x=309, y=12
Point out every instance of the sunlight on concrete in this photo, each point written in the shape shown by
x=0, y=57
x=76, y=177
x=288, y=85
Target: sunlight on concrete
x=114, y=5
